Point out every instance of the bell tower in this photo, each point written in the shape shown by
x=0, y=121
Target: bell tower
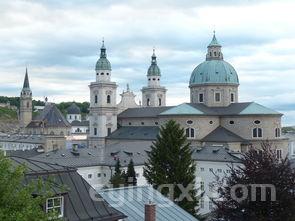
x=154, y=95
x=25, y=110
x=103, y=108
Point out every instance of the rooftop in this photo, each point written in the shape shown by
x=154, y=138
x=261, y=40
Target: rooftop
x=131, y=201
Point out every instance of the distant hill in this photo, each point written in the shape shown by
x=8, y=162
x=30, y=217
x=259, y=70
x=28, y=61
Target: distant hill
x=8, y=120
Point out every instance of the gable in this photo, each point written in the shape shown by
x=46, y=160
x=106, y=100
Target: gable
x=182, y=109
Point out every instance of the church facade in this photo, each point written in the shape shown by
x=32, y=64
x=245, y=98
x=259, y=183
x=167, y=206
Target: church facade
x=214, y=115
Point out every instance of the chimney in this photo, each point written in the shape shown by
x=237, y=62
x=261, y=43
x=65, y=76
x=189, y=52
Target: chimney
x=150, y=212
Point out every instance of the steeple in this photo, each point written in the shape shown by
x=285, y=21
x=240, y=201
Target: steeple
x=26, y=81
x=214, y=50
x=154, y=70
x=103, y=63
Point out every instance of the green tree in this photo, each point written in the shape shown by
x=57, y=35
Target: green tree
x=130, y=178
x=17, y=201
x=170, y=162
x=263, y=169
x=118, y=179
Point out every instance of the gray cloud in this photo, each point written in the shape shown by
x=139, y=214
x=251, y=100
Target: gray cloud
x=59, y=41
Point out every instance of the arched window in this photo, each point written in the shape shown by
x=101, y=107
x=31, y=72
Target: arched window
x=190, y=132
x=215, y=53
x=51, y=133
x=148, y=102
x=95, y=131
x=277, y=132
x=160, y=102
x=95, y=99
x=109, y=99
x=257, y=132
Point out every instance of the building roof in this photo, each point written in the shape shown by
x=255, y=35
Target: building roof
x=214, y=154
x=214, y=42
x=221, y=134
x=20, y=138
x=84, y=123
x=135, y=133
x=49, y=117
x=23, y=153
x=73, y=109
x=76, y=191
x=214, y=72
x=141, y=112
x=234, y=109
x=131, y=201
x=83, y=157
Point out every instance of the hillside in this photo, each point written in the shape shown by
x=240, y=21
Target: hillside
x=8, y=120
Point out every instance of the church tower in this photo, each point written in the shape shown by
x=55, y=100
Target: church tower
x=25, y=110
x=154, y=95
x=103, y=108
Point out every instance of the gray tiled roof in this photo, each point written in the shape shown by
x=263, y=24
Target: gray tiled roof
x=214, y=154
x=131, y=201
x=19, y=138
x=221, y=134
x=247, y=108
x=51, y=116
x=142, y=112
x=78, y=203
x=22, y=153
x=135, y=133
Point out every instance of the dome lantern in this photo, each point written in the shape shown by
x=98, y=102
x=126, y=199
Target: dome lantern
x=154, y=70
x=103, y=63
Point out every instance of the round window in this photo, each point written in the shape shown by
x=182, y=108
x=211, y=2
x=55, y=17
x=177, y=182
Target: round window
x=211, y=122
x=189, y=122
x=257, y=122
x=231, y=122
x=156, y=123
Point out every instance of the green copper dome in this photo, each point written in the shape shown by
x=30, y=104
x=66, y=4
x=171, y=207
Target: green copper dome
x=214, y=70
x=103, y=63
x=154, y=70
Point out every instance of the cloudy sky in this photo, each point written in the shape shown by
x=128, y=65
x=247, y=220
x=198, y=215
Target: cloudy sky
x=59, y=42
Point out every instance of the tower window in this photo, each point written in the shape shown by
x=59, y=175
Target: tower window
x=217, y=97
x=279, y=153
x=95, y=131
x=149, y=79
x=109, y=99
x=160, y=102
x=231, y=122
x=257, y=132
x=109, y=131
x=108, y=74
x=95, y=99
x=201, y=98
x=148, y=102
x=277, y=132
x=101, y=73
x=28, y=104
x=232, y=97
x=154, y=79
x=215, y=53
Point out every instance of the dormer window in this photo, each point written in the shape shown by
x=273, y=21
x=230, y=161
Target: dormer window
x=217, y=97
x=55, y=205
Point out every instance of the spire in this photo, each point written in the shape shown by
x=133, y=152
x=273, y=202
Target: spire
x=26, y=81
x=214, y=42
x=103, y=50
x=154, y=57
x=128, y=89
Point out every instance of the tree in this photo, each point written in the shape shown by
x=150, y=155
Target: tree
x=170, y=162
x=17, y=201
x=130, y=179
x=118, y=179
x=259, y=167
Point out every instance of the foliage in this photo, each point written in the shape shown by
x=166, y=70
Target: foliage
x=118, y=179
x=7, y=114
x=17, y=201
x=288, y=129
x=259, y=167
x=84, y=107
x=130, y=179
x=170, y=162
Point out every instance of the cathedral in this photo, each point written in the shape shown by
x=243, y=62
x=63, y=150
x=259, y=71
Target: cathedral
x=214, y=115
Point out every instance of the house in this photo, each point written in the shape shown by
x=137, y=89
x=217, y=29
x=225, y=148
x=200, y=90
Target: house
x=72, y=193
